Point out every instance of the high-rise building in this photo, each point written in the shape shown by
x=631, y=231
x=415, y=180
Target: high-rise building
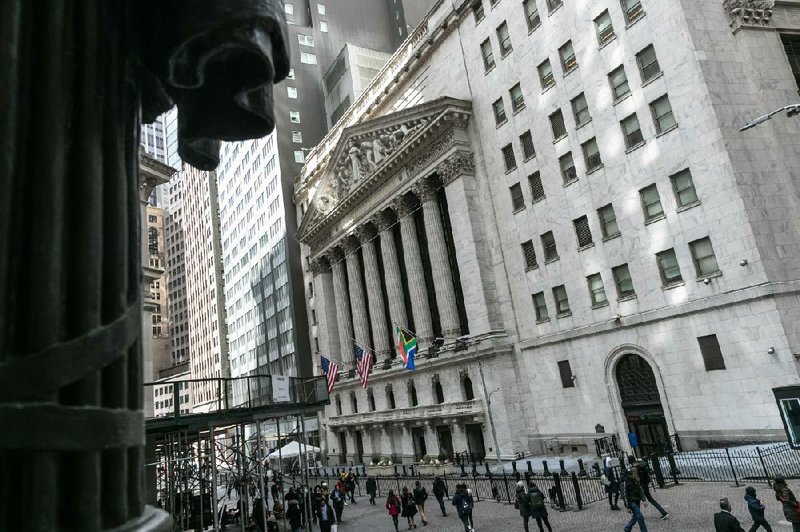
x=555, y=197
x=158, y=289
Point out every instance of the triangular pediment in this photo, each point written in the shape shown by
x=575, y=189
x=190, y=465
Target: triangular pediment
x=376, y=149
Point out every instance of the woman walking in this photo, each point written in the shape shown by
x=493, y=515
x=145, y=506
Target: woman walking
x=539, y=508
x=409, y=508
x=523, y=504
x=791, y=508
x=394, y=507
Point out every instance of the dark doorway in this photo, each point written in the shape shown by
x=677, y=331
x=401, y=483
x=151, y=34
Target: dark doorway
x=445, y=441
x=418, y=435
x=359, y=458
x=469, y=394
x=342, y=448
x=477, y=450
x=641, y=405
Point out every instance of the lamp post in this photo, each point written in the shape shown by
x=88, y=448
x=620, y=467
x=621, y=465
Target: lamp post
x=488, y=398
x=791, y=110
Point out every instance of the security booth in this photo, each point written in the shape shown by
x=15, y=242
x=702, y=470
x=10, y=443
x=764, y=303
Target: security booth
x=788, y=399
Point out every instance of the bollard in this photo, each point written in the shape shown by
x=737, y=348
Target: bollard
x=514, y=466
x=463, y=471
x=530, y=466
x=563, y=471
x=546, y=469
x=405, y=471
x=474, y=469
x=577, y=486
x=581, y=467
x=486, y=465
x=516, y=475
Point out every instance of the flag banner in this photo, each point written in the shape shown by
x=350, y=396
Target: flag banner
x=406, y=346
x=363, y=364
x=331, y=370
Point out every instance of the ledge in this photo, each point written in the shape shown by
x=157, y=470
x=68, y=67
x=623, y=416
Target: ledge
x=633, y=22
x=545, y=89
x=630, y=297
x=623, y=97
x=659, y=75
x=688, y=206
x=712, y=275
x=566, y=314
x=595, y=169
x=612, y=237
x=600, y=305
x=673, y=285
x=635, y=147
x=587, y=246
x=655, y=219
x=673, y=128
x=612, y=39
x=487, y=70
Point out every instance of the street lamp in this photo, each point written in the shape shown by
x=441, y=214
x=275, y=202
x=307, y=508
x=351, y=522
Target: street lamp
x=792, y=110
x=488, y=397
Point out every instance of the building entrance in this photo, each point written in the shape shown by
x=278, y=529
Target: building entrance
x=359, y=458
x=477, y=449
x=445, y=441
x=641, y=405
x=420, y=450
x=342, y=448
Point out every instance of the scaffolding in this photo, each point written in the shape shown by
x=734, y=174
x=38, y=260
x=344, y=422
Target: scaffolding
x=210, y=470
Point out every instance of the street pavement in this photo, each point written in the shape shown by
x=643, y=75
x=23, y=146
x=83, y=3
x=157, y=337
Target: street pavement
x=691, y=507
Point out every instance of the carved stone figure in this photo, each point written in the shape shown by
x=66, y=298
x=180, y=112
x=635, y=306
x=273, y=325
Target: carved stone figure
x=749, y=12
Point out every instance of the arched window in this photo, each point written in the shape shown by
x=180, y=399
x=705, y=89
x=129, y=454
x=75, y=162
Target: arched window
x=413, y=393
x=439, y=392
x=390, y=399
x=153, y=240
x=353, y=403
x=469, y=394
x=371, y=401
x=338, y=406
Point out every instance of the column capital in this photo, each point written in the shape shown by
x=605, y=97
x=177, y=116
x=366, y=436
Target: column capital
x=424, y=190
x=365, y=232
x=320, y=265
x=334, y=255
x=349, y=244
x=383, y=220
x=458, y=164
x=403, y=206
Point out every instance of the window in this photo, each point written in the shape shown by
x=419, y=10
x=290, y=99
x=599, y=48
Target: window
x=517, y=199
x=323, y=26
x=568, y=171
x=619, y=82
x=469, y=394
x=562, y=301
x=291, y=74
x=605, y=31
x=581, y=110
x=294, y=117
x=152, y=218
x=517, y=100
x=305, y=40
x=338, y=406
x=412, y=391
x=552, y=5
x=477, y=11
x=321, y=9
x=370, y=401
x=683, y=186
x=297, y=137
x=530, y=255
x=353, y=403
x=540, y=306
x=499, y=111
x=669, y=267
x=704, y=260
x=299, y=156
x=567, y=55
x=662, y=114
x=537, y=190
x=558, y=126
x=509, y=158
x=791, y=45
x=488, y=55
x=651, y=203
x=712, y=354
x=437, y=388
x=596, y=290
x=308, y=59
x=608, y=221
x=504, y=39
x=546, y=75
x=591, y=154
x=288, y=9
x=633, y=10
x=291, y=92
x=632, y=131
x=531, y=14
x=790, y=411
x=526, y=141
x=623, y=281
x=582, y=231
x=390, y=399
x=549, y=245
x=648, y=63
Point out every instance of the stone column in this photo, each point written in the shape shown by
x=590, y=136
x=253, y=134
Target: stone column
x=459, y=436
x=416, y=278
x=440, y=263
x=391, y=272
x=377, y=314
x=405, y=444
x=345, y=325
x=431, y=439
x=325, y=308
x=358, y=303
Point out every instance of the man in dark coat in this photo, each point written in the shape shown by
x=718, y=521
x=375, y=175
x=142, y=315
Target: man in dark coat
x=791, y=508
x=372, y=489
x=633, y=500
x=643, y=474
x=440, y=491
x=724, y=521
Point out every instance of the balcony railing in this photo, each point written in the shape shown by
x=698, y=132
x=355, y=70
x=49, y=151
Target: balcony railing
x=445, y=410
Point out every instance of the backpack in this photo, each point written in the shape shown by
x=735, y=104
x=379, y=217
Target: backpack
x=537, y=500
x=465, y=506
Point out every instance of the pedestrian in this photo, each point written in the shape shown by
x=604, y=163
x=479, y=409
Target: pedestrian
x=316, y=502
x=294, y=515
x=791, y=508
x=724, y=520
x=523, y=504
x=463, y=503
x=471, y=507
x=342, y=487
x=756, y=508
x=394, y=506
x=258, y=515
x=409, y=508
x=350, y=484
x=633, y=500
x=440, y=491
x=325, y=515
x=372, y=489
x=338, y=499
x=643, y=474
x=538, y=508
x=420, y=496
x=610, y=484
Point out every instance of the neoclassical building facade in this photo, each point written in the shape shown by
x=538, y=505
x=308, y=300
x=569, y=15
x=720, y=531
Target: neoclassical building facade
x=556, y=198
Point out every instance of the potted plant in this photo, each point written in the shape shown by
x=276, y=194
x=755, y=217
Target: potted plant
x=382, y=467
x=432, y=466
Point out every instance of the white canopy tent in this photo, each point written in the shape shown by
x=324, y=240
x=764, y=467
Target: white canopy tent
x=293, y=450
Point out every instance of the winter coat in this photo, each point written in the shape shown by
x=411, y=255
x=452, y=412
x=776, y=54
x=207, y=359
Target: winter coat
x=791, y=510
x=463, y=503
x=372, y=486
x=409, y=507
x=610, y=482
x=524, y=502
x=725, y=522
x=420, y=495
x=633, y=491
x=331, y=517
x=538, y=506
x=295, y=516
x=755, y=506
x=394, y=506
x=439, y=488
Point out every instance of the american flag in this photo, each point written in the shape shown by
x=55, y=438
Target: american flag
x=363, y=364
x=331, y=369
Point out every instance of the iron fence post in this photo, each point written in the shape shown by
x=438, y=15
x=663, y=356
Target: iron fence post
x=486, y=465
x=505, y=481
x=577, y=486
x=656, y=463
x=764, y=466
x=559, y=494
x=673, y=468
x=733, y=469
x=581, y=467
x=546, y=469
x=530, y=466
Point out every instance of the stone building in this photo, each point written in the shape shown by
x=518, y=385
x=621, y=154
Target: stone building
x=560, y=192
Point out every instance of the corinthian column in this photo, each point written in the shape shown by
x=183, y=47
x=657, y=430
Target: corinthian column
x=345, y=325
x=358, y=303
x=440, y=263
x=391, y=271
x=324, y=305
x=416, y=277
x=377, y=315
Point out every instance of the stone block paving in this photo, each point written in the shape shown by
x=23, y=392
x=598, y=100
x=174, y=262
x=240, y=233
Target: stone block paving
x=691, y=507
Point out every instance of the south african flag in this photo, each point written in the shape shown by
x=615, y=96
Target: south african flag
x=406, y=346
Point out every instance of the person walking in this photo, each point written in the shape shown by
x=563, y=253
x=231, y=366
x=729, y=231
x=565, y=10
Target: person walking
x=440, y=491
x=409, y=508
x=756, y=508
x=538, y=508
x=372, y=489
x=294, y=515
x=420, y=496
x=523, y=504
x=316, y=502
x=633, y=500
x=643, y=474
x=394, y=506
x=350, y=484
x=325, y=515
x=472, y=506
x=463, y=503
x=610, y=484
x=791, y=508
x=724, y=520
x=338, y=499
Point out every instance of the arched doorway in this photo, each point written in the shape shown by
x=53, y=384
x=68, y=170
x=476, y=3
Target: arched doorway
x=641, y=404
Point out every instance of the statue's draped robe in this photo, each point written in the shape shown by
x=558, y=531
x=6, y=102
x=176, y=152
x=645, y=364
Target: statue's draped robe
x=75, y=77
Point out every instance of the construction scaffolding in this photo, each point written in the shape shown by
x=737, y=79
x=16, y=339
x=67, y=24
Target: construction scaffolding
x=211, y=470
